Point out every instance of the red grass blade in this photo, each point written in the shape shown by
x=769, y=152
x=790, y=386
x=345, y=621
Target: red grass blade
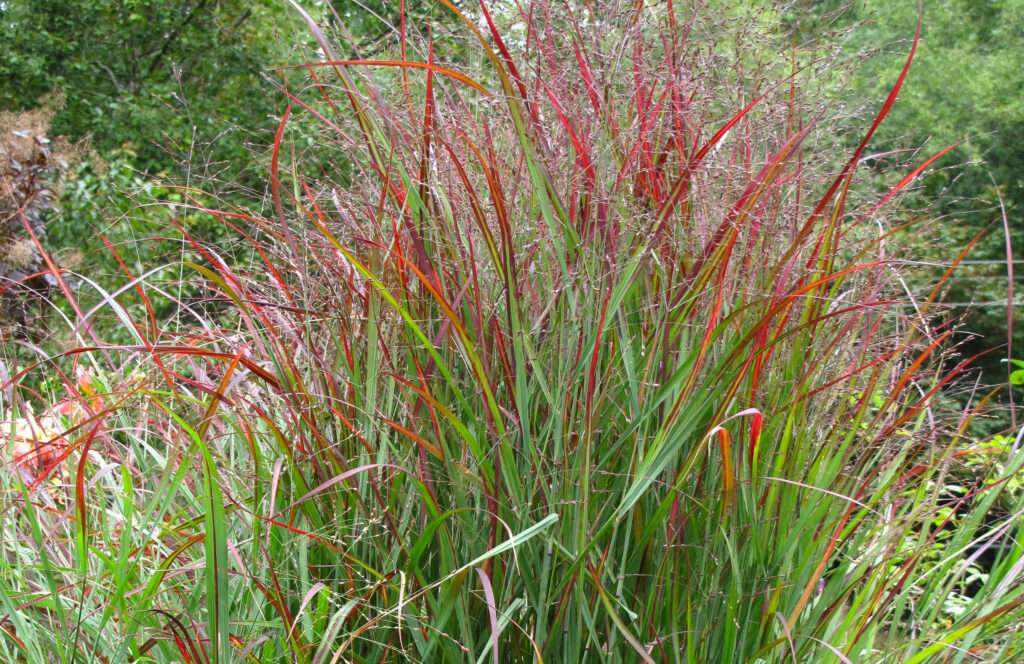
x=404, y=64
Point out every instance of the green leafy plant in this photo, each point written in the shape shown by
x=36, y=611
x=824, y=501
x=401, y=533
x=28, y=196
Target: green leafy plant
x=976, y=49
x=1017, y=375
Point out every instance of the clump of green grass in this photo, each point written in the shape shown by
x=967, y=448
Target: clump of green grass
x=575, y=364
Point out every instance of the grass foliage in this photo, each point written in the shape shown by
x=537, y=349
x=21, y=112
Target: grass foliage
x=588, y=353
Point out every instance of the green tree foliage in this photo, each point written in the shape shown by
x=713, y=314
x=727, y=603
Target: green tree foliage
x=168, y=93
x=149, y=73
x=186, y=79
x=164, y=92
x=964, y=89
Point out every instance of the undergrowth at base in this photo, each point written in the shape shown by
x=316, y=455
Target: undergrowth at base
x=593, y=352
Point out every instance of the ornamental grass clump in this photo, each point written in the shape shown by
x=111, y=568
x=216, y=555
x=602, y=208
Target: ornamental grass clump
x=580, y=353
